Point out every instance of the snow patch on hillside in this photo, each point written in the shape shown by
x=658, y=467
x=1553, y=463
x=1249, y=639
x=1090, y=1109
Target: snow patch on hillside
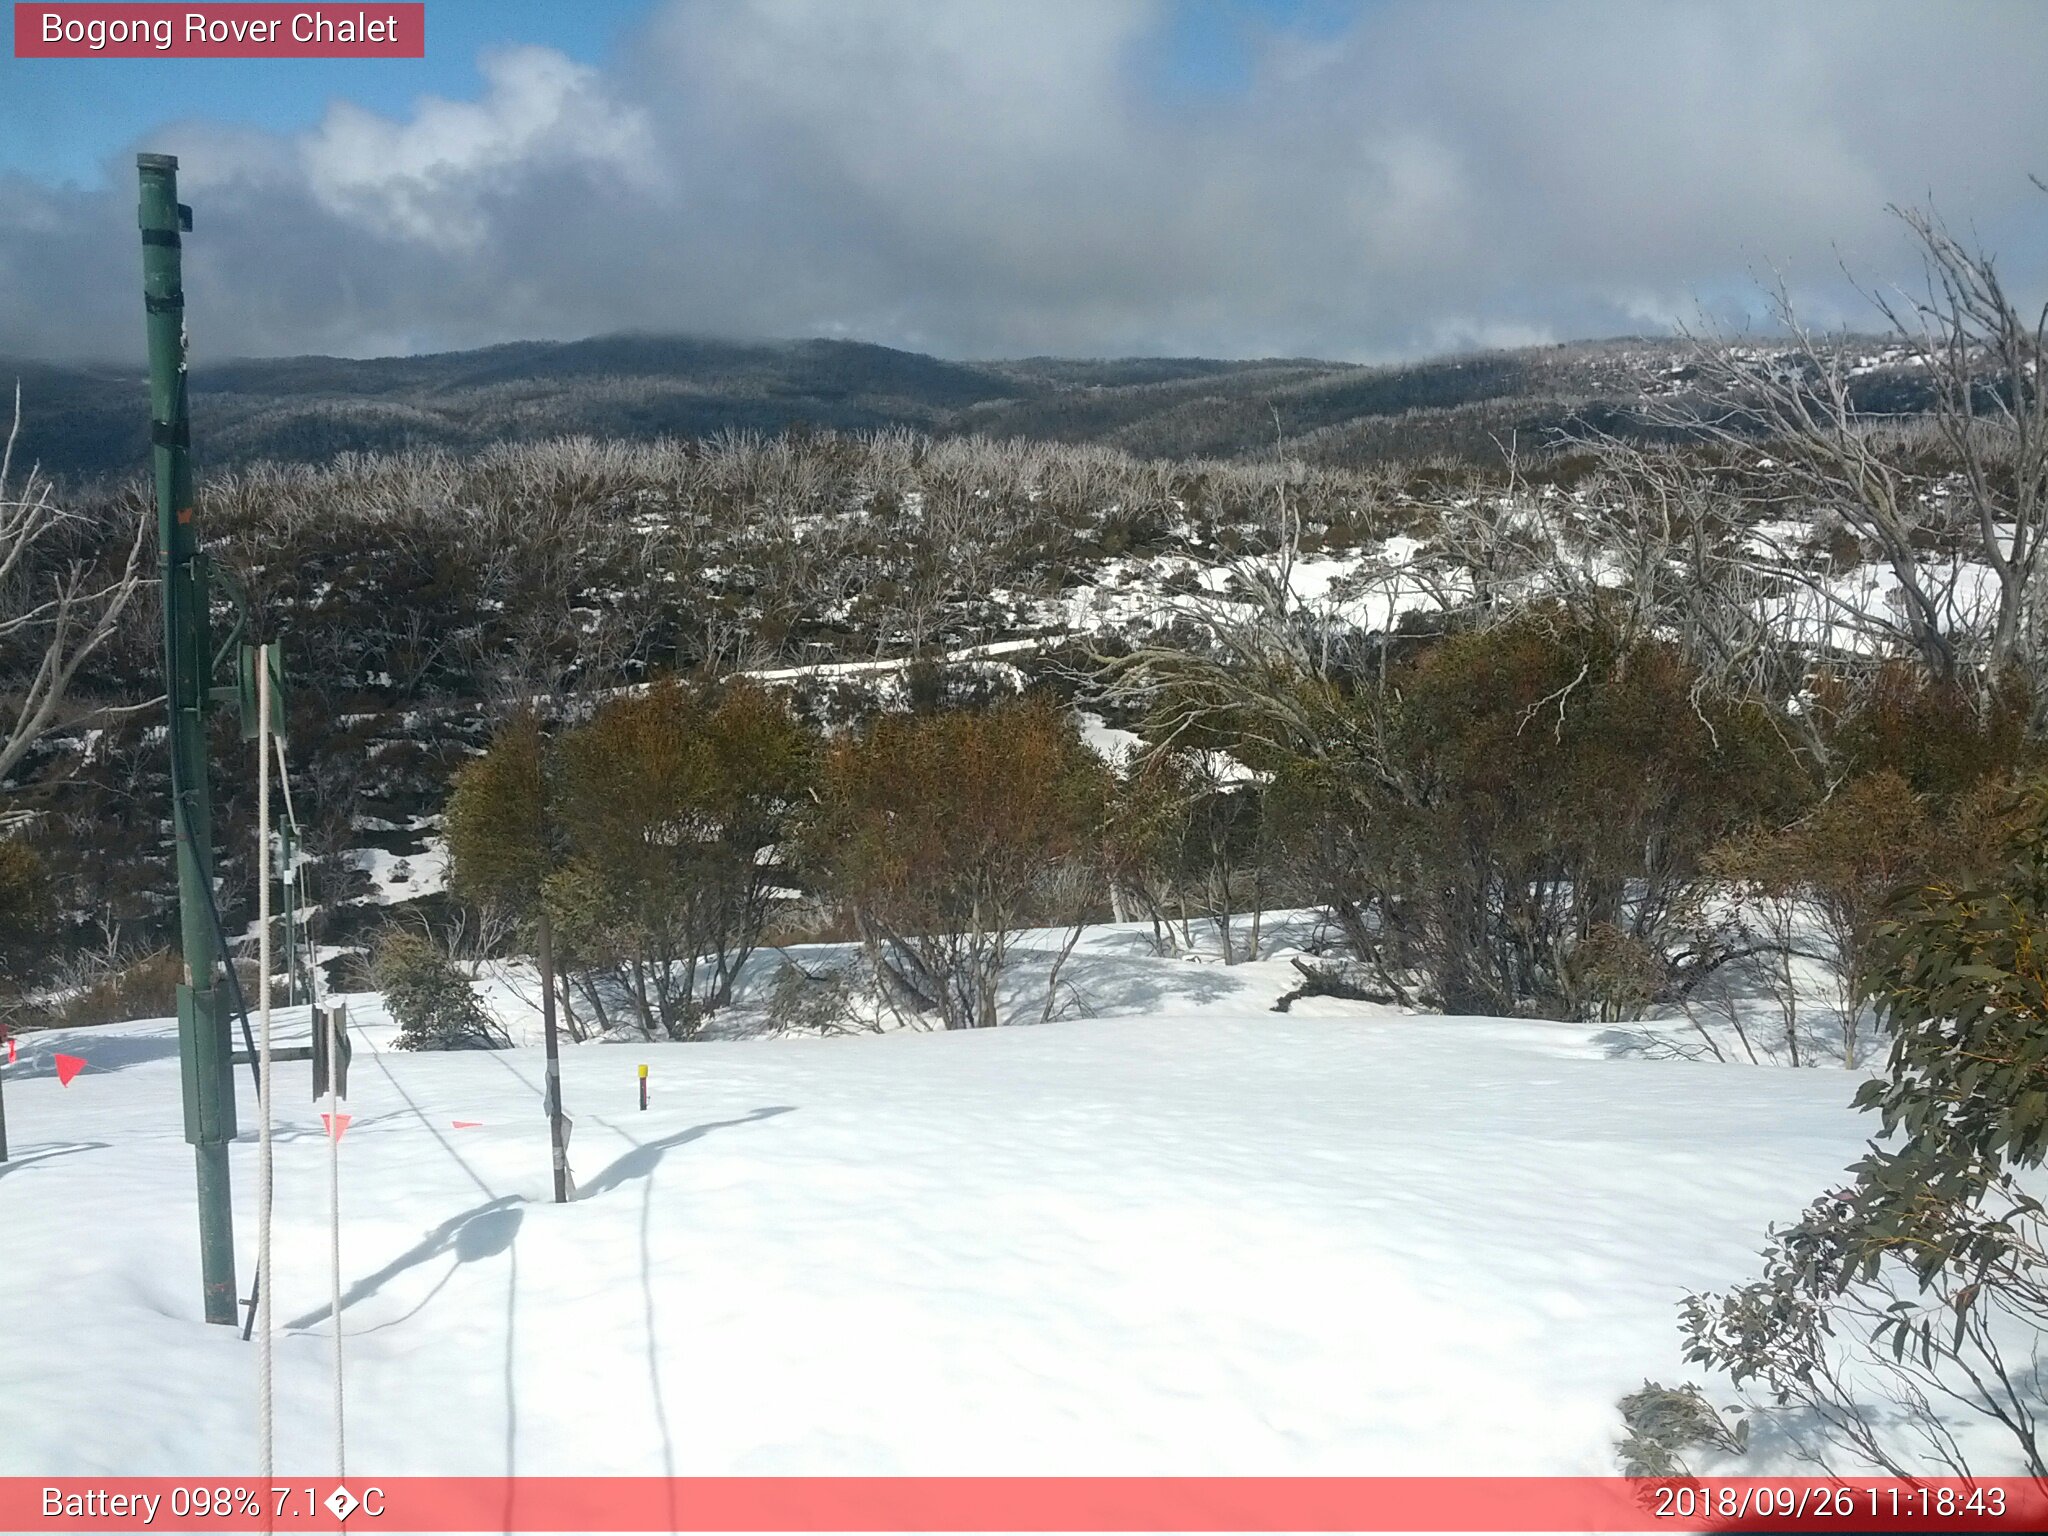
x=396, y=877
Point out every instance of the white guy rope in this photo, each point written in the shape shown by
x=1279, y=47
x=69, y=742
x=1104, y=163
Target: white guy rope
x=332, y=1024
x=329, y=1020
x=266, y=1279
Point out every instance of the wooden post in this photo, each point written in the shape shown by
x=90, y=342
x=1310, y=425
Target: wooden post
x=558, y=1142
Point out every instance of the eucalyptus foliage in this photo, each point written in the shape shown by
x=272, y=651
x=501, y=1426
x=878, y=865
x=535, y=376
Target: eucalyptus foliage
x=1921, y=1286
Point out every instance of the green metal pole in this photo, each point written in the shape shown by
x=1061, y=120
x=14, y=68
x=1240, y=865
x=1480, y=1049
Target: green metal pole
x=204, y=1051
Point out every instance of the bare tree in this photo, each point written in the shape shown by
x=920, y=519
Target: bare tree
x=54, y=613
x=1657, y=543
x=1962, y=557
x=1991, y=411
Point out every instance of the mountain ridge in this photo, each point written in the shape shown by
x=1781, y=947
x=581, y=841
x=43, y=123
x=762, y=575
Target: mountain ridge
x=83, y=422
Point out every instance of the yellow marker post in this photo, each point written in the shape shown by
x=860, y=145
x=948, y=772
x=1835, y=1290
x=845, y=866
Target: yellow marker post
x=643, y=1085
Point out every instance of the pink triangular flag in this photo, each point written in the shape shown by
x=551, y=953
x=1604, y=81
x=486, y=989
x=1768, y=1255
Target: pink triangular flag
x=10, y=1050
x=467, y=1125
x=68, y=1067
x=336, y=1124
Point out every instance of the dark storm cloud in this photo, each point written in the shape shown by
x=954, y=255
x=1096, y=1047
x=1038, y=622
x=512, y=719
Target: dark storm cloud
x=987, y=179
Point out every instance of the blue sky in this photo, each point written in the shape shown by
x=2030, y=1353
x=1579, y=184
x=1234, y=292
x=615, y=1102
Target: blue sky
x=1209, y=46
x=64, y=119
x=67, y=120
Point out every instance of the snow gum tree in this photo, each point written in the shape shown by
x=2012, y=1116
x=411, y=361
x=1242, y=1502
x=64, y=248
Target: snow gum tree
x=1949, y=499
x=64, y=585
x=1922, y=1285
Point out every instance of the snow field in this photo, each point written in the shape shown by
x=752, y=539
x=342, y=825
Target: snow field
x=1195, y=1237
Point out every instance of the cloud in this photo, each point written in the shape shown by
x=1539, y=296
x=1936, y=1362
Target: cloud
x=429, y=181
x=981, y=178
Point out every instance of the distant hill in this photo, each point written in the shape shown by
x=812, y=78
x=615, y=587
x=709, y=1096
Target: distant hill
x=87, y=422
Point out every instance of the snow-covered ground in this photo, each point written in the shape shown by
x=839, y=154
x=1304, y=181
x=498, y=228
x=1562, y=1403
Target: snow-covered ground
x=1186, y=1235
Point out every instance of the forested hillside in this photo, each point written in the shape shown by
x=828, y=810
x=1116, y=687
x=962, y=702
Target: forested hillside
x=89, y=422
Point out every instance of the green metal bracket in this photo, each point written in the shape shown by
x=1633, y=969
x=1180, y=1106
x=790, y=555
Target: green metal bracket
x=239, y=599
x=209, y=1092
x=246, y=691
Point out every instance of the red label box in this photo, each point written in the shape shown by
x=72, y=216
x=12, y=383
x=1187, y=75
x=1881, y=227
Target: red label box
x=234, y=31
x=1024, y=1504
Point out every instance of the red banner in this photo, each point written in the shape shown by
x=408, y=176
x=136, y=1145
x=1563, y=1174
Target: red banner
x=234, y=31
x=1014, y=1504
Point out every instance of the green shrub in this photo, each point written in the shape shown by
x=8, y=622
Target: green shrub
x=672, y=804
x=1914, y=1281
x=1940, y=739
x=1515, y=794
x=434, y=1003
x=1663, y=1422
x=943, y=834
x=27, y=907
